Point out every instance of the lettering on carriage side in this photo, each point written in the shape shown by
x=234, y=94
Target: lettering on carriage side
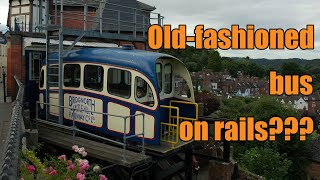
x=85, y=108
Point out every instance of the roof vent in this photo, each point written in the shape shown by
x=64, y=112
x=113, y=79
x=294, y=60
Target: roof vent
x=127, y=47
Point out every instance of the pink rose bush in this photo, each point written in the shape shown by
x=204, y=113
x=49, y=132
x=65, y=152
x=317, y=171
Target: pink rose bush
x=60, y=167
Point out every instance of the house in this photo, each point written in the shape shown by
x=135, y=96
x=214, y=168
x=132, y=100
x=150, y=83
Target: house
x=298, y=102
x=243, y=91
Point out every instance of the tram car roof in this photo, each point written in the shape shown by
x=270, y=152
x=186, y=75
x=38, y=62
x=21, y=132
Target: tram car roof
x=140, y=60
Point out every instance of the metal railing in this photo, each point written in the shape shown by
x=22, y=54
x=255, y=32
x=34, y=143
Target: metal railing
x=170, y=131
x=74, y=129
x=10, y=166
x=118, y=19
x=187, y=103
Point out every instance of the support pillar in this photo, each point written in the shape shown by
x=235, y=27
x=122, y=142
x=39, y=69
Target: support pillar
x=188, y=164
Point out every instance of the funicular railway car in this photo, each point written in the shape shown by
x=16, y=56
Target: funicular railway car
x=124, y=82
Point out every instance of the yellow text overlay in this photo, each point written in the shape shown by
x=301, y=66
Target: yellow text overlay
x=247, y=129
x=234, y=38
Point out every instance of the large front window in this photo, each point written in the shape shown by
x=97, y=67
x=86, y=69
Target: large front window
x=168, y=78
x=159, y=75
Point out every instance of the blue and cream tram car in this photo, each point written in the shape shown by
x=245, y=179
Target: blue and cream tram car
x=124, y=82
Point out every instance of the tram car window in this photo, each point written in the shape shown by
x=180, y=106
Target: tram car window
x=72, y=75
x=93, y=77
x=143, y=93
x=168, y=78
x=119, y=82
x=53, y=78
x=41, y=84
x=159, y=75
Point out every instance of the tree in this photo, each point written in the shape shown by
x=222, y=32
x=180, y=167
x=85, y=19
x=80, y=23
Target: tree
x=291, y=68
x=211, y=104
x=266, y=162
x=214, y=61
x=298, y=152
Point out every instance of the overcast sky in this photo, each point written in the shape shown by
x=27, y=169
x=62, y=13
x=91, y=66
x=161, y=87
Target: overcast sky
x=267, y=14
x=223, y=13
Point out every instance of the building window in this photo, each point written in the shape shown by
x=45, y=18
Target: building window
x=93, y=77
x=119, y=82
x=159, y=75
x=168, y=78
x=34, y=65
x=143, y=93
x=72, y=75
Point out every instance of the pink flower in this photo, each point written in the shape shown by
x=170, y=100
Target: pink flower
x=80, y=176
x=53, y=173
x=103, y=177
x=70, y=162
x=21, y=178
x=75, y=148
x=84, y=166
x=51, y=168
x=62, y=157
x=84, y=153
x=72, y=167
x=31, y=168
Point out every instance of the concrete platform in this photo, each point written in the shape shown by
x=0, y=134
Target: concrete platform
x=95, y=149
x=5, y=119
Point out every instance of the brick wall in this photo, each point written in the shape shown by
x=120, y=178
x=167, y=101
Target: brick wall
x=14, y=63
x=75, y=19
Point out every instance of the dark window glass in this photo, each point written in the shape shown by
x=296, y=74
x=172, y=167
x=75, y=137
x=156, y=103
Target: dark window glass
x=181, y=87
x=93, y=77
x=167, y=78
x=159, y=75
x=41, y=79
x=119, y=82
x=72, y=75
x=143, y=93
x=35, y=65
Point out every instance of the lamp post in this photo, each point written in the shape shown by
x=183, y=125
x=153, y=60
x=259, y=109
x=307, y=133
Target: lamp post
x=4, y=83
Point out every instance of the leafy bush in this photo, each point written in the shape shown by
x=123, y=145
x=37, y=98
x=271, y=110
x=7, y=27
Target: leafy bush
x=211, y=104
x=59, y=167
x=266, y=162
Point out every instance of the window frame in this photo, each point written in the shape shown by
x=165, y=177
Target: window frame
x=41, y=79
x=171, y=81
x=32, y=64
x=130, y=81
x=160, y=86
x=102, y=80
x=147, y=88
x=64, y=75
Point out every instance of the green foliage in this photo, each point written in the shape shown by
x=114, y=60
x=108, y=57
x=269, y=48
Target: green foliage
x=210, y=102
x=214, y=61
x=291, y=68
x=266, y=162
x=195, y=60
x=52, y=168
x=298, y=152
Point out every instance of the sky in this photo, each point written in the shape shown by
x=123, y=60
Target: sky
x=266, y=14
x=219, y=14
x=4, y=6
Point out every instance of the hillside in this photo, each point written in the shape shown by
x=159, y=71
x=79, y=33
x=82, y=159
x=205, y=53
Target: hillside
x=275, y=64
